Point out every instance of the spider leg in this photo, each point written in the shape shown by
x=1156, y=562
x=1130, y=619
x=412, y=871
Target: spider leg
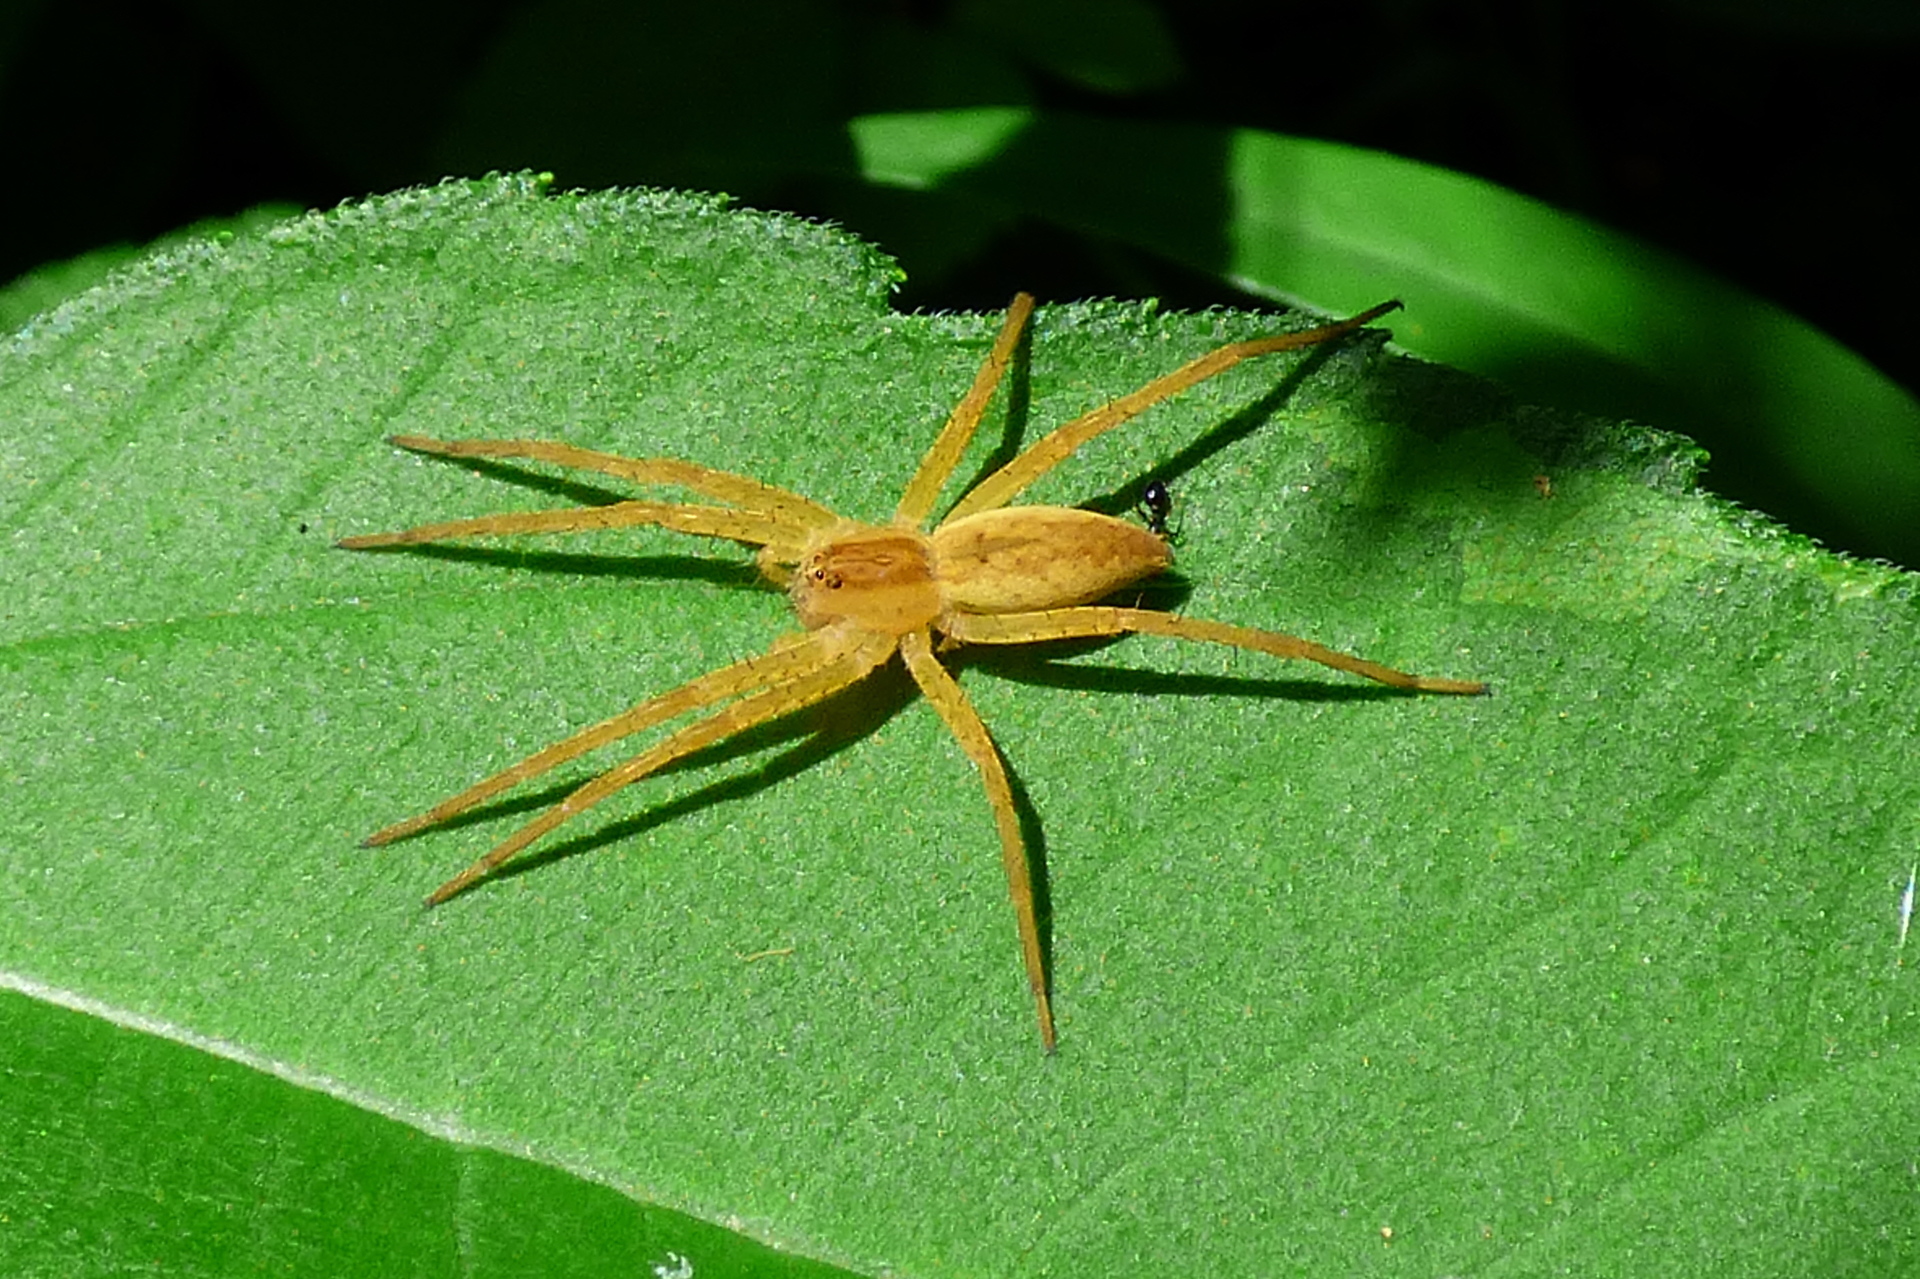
x=1050, y=450
x=735, y=490
x=791, y=655
x=1095, y=620
x=937, y=466
x=947, y=697
x=844, y=659
x=750, y=527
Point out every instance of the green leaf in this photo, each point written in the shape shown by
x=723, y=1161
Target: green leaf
x=46, y=287
x=1606, y=966
x=1562, y=311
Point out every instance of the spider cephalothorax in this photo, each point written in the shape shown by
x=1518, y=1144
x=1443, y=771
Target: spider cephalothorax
x=988, y=573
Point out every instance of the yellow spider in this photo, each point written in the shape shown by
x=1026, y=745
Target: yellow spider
x=988, y=573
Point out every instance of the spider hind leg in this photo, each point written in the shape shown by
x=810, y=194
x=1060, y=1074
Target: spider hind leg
x=970, y=731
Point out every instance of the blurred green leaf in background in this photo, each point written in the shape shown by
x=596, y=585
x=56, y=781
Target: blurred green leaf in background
x=1605, y=973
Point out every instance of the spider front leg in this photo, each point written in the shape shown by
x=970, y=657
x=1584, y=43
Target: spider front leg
x=756, y=514
x=749, y=527
x=740, y=491
x=791, y=657
x=841, y=659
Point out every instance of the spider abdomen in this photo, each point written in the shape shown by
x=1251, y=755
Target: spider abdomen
x=1020, y=559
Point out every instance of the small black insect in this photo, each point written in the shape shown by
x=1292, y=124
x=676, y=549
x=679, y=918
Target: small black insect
x=1156, y=508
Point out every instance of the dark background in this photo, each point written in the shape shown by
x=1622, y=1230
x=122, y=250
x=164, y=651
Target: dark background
x=1770, y=140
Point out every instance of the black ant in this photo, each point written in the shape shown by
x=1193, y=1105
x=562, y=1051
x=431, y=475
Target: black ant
x=1156, y=508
